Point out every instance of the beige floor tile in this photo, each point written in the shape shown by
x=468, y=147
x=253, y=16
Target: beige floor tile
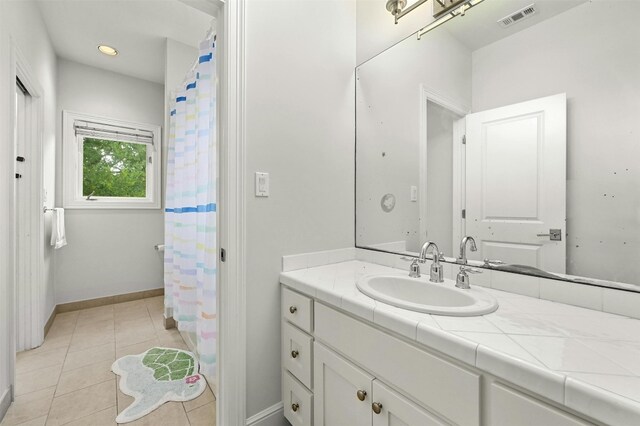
x=169, y=414
x=158, y=322
x=203, y=416
x=206, y=397
x=40, y=421
x=134, y=314
x=123, y=401
x=29, y=408
x=62, y=327
x=133, y=336
x=84, y=377
x=36, y=380
x=101, y=418
x=132, y=306
x=96, y=326
x=106, y=352
x=82, y=403
x=38, y=359
x=136, y=348
x=134, y=324
x=98, y=313
x=56, y=342
x=86, y=340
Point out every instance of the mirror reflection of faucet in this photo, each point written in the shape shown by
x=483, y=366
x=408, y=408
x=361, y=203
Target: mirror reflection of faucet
x=462, y=279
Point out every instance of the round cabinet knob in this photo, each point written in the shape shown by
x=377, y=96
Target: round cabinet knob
x=376, y=407
x=294, y=354
x=361, y=395
x=294, y=407
x=292, y=309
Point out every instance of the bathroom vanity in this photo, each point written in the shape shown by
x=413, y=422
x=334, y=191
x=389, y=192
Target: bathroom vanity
x=348, y=359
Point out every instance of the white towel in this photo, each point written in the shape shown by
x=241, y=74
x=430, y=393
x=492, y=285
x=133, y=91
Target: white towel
x=58, y=234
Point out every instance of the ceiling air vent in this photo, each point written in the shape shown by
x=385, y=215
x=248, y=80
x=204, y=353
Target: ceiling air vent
x=520, y=15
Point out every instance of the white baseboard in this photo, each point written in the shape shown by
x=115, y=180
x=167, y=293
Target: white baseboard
x=270, y=416
x=5, y=402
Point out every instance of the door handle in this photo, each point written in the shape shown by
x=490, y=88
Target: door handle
x=554, y=235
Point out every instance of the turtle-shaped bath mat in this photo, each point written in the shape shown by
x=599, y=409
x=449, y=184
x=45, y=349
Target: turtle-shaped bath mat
x=157, y=376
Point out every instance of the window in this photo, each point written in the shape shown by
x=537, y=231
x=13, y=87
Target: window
x=110, y=163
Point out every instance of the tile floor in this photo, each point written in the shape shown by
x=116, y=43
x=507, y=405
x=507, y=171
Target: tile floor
x=68, y=380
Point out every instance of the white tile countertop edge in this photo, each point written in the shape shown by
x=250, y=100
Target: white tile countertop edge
x=334, y=284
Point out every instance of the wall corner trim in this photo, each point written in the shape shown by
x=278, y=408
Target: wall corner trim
x=270, y=416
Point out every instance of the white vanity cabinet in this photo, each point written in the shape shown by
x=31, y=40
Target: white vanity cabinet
x=297, y=357
x=347, y=395
x=342, y=371
x=342, y=391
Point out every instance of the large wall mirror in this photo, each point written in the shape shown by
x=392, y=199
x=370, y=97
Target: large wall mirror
x=524, y=136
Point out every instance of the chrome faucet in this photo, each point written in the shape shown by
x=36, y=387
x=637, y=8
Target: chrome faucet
x=463, y=248
x=462, y=279
x=436, y=274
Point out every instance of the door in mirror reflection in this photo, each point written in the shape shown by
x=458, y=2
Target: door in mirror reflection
x=515, y=182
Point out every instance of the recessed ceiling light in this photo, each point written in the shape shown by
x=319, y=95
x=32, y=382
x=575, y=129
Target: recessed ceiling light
x=107, y=50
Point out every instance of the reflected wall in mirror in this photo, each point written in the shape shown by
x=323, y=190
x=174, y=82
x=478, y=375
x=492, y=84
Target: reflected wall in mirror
x=524, y=137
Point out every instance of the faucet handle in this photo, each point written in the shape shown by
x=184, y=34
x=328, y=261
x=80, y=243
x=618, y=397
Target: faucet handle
x=489, y=262
x=470, y=270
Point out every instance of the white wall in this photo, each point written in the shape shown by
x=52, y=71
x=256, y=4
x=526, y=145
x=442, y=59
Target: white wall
x=22, y=23
x=388, y=130
x=589, y=52
x=300, y=57
x=109, y=251
x=376, y=30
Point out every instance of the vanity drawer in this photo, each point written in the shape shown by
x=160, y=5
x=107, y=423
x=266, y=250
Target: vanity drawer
x=297, y=400
x=297, y=309
x=510, y=407
x=297, y=350
x=437, y=384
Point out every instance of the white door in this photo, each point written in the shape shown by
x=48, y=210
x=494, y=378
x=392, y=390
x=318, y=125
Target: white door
x=516, y=183
x=396, y=410
x=342, y=392
x=23, y=272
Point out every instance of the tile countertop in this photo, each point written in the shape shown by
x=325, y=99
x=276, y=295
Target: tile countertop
x=586, y=360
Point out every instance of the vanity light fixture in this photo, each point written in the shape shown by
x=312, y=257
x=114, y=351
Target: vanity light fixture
x=395, y=7
x=452, y=13
x=107, y=50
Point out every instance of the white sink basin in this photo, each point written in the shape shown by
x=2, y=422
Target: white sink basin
x=421, y=295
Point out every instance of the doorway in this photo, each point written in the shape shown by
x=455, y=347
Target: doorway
x=28, y=215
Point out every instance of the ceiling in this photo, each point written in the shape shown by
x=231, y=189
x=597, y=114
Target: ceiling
x=480, y=27
x=137, y=28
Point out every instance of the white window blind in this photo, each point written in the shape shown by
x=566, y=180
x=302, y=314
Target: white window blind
x=106, y=131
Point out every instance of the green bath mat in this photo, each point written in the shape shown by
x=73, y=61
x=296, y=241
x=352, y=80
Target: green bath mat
x=157, y=376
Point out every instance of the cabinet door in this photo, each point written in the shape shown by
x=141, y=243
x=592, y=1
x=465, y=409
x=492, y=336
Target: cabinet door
x=339, y=387
x=395, y=410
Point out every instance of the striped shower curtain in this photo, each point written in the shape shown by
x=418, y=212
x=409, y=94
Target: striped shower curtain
x=190, y=213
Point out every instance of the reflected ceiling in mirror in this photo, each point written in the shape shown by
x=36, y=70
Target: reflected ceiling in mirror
x=522, y=134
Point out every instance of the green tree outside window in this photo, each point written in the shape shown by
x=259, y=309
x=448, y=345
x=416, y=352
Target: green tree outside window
x=114, y=169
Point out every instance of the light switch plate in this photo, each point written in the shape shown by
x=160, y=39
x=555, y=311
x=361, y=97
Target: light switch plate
x=414, y=193
x=262, y=184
